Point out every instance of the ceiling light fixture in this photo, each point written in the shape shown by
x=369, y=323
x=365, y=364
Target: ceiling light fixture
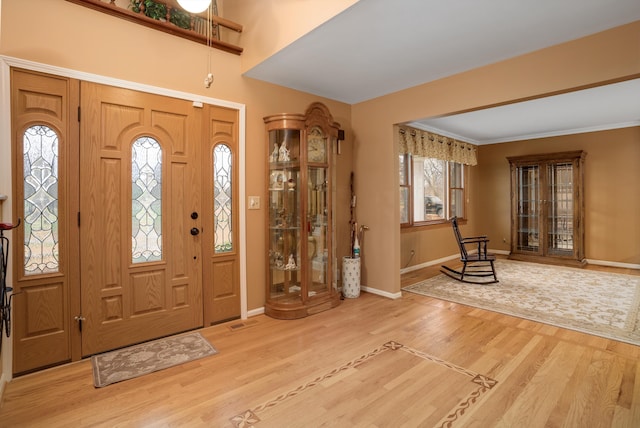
x=194, y=6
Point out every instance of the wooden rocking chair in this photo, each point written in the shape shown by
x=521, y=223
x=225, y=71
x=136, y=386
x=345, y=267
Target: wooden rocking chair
x=478, y=264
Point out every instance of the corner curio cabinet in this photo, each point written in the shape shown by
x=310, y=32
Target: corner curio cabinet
x=300, y=237
x=547, y=208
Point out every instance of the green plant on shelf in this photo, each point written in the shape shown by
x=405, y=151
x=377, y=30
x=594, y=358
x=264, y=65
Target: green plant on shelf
x=180, y=18
x=152, y=9
x=158, y=11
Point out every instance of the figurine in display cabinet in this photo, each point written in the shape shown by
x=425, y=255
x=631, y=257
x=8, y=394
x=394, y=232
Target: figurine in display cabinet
x=283, y=153
x=291, y=264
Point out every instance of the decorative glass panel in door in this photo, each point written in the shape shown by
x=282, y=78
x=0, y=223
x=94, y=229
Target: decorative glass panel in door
x=223, y=198
x=146, y=200
x=40, y=200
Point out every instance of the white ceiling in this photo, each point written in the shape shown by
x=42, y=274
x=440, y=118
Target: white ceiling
x=377, y=47
x=604, y=107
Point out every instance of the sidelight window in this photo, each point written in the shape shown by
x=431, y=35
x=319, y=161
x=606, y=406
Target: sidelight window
x=41, y=180
x=223, y=198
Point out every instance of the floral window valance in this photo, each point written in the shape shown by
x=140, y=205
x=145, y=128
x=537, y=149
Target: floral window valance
x=429, y=145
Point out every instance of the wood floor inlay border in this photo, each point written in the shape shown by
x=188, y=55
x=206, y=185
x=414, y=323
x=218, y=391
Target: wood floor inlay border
x=482, y=384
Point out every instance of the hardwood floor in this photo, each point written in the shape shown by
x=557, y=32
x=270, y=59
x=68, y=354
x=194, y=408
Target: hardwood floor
x=344, y=367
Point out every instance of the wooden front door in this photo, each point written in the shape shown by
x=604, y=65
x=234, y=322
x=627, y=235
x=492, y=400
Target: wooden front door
x=139, y=223
x=123, y=234
x=221, y=246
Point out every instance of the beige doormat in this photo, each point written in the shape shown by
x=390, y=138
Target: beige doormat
x=386, y=376
x=598, y=303
x=148, y=357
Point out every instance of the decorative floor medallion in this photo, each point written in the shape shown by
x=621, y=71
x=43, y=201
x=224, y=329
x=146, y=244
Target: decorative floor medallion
x=421, y=386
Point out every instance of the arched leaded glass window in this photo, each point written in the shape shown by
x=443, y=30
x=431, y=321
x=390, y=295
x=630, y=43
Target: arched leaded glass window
x=146, y=200
x=222, y=198
x=41, y=222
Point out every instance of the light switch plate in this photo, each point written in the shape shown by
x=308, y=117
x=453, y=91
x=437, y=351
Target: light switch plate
x=254, y=202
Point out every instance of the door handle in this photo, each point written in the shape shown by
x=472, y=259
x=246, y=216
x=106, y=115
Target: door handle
x=195, y=231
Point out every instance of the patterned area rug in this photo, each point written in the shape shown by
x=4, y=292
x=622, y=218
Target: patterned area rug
x=598, y=303
x=340, y=396
x=138, y=360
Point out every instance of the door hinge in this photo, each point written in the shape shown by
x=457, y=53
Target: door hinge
x=78, y=218
x=79, y=113
x=79, y=319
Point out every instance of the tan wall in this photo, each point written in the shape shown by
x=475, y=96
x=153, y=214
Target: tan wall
x=612, y=201
x=66, y=35
x=600, y=58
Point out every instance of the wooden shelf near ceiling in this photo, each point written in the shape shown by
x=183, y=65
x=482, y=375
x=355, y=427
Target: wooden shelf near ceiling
x=113, y=9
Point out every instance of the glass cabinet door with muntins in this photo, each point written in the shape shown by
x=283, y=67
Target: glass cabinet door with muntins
x=548, y=207
x=560, y=213
x=527, y=218
x=299, y=213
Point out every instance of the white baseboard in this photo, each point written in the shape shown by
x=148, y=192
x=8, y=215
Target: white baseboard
x=446, y=259
x=381, y=292
x=613, y=264
x=429, y=263
x=254, y=312
x=501, y=252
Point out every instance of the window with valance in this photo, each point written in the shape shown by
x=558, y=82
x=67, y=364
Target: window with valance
x=432, y=176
